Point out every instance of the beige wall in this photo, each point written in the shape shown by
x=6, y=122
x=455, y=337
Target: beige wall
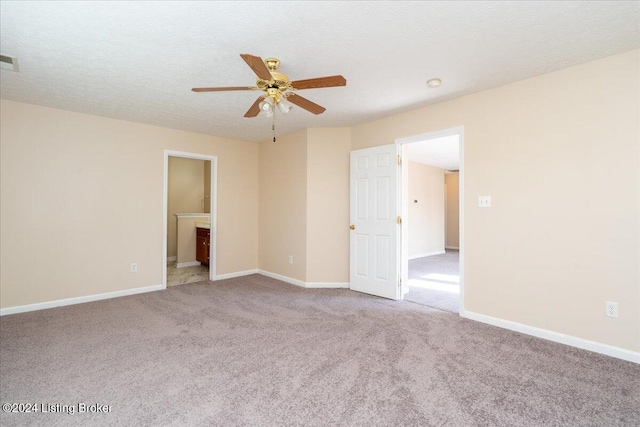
x=283, y=205
x=81, y=199
x=185, y=194
x=328, y=205
x=560, y=157
x=304, y=205
x=207, y=186
x=425, y=219
x=452, y=231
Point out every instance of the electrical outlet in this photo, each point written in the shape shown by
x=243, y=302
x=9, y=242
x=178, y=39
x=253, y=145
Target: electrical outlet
x=484, y=201
x=134, y=267
x=612, y=309
x=290, y=259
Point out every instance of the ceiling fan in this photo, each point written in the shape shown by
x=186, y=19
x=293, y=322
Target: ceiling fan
x=278, y=90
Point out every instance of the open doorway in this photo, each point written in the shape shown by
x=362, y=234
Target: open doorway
x=431, y=196
x=189, y=218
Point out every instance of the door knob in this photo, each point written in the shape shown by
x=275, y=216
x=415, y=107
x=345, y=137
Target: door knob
x=353, y=227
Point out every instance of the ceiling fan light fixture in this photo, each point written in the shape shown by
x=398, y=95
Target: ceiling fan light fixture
x=266, y=106
x=284, y=106
x=434, y=83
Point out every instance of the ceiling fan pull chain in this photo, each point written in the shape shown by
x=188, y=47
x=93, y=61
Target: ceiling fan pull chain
x=273, y=126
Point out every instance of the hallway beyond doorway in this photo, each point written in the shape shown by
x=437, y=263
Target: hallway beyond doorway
x=434, y=281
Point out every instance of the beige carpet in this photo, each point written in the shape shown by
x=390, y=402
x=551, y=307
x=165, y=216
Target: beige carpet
x=257, y=352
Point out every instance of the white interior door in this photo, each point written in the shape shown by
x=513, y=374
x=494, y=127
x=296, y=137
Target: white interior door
x=375, y=234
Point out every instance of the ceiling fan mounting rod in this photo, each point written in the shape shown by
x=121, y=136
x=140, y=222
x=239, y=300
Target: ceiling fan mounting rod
x=272, y=63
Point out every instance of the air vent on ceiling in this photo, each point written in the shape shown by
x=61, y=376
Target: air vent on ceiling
x=9, y=62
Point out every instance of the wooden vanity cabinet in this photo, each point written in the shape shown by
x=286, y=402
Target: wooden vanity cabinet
x=202, y=245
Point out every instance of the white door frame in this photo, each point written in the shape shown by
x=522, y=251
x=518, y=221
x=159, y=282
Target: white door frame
x=459, y=130
x=213, y=209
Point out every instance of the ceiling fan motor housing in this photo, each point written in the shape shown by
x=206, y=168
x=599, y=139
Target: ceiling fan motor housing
x=279, y=81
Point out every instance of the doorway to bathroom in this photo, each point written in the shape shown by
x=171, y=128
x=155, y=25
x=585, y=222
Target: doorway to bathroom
x=189, y=211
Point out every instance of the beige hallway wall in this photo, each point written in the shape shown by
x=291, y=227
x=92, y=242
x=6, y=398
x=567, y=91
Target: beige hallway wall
x=426, y=217
x=283, y=205
x=81, y=199
x=452, y=213
x=560, y=157
x=186, y=191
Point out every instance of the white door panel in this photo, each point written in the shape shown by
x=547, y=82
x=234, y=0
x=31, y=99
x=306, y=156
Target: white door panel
x=374, y=242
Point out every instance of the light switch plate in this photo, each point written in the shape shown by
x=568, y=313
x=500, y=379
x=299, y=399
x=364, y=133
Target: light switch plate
x=484, y=201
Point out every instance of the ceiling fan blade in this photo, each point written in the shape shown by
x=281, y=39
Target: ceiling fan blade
x=329, y=81
x=301, y=102
x=221, y=89
x=254, y=110
x=257, y=65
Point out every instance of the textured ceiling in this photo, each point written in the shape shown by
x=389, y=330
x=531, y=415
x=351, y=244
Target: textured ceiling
x=138, y=61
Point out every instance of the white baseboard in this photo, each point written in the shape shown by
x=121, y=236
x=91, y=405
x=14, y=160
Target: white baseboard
x=236, y=274
x=303, y=284
x=452, y=247
x=116, y=294
x=171, y=258
x=187, y=264
x=283, y=278
x=78, y=300
x=426, y=254
x=327, y=285
x=608, y=350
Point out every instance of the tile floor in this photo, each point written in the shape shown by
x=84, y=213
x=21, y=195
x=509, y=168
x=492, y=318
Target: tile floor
x=180, y=276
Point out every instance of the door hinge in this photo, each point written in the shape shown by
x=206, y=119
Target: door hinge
x=399, y=159
x=399, y=220
x=399, y=281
